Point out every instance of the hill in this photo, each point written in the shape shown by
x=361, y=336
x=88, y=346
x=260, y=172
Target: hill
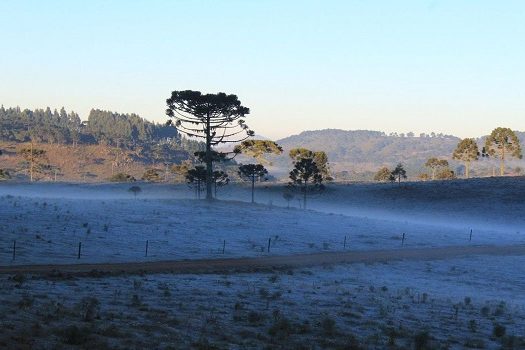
x=359, y=153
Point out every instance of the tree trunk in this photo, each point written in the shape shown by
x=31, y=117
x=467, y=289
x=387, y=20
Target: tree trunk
x=253, y=188
x=502, y=162
x=467, y=169
x=31, y=163
x=304, y=194
x=209, y=161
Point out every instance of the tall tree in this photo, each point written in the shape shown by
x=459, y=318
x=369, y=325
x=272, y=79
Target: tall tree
x=306, y=176
x=503, y=143
x=434, y=164
x=466, y=152
x=215, y=118
x=252, y=172
x=398, y=173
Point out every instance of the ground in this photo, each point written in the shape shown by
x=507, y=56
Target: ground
x=471, y=301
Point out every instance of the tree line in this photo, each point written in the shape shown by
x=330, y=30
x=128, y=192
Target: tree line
x=502, y=144
x=60, y=126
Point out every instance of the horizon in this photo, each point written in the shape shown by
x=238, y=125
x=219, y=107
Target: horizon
x=448, y=67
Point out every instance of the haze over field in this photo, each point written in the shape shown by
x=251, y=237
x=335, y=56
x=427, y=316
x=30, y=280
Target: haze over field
x=262, y=175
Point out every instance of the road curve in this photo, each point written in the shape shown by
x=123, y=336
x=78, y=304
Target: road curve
x=262, y=263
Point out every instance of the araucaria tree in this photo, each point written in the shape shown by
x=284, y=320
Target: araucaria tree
x=319, y=157
x=215, y=118
x=503, y=143
x=466, y=152
x=435, y=164
x=306, y=176
x=398, y=173
x=253, y=173
x=196, y=177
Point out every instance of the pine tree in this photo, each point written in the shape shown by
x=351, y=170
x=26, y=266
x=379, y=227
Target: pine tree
x=435, y=164
x=253, y=173
x=306, y=176
x=466, y=152
x=503, y=143
x=215, y=118
x=398, y=173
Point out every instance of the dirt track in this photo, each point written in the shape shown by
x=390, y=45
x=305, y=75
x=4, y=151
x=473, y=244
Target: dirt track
x=264, y=263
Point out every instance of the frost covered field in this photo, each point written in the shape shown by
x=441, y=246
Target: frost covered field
x=473, y=302
x=48, y=221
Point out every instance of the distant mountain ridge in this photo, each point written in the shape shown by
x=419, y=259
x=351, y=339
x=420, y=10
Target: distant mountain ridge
x=365, y=150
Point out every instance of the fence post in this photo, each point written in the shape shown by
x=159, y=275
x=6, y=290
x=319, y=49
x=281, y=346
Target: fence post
x=223, y=246
x=344, y=243
x=470, y=238
x=403, y=239
x=147, y=243
x=79, y=249
x=269, y=241
x=14, y=249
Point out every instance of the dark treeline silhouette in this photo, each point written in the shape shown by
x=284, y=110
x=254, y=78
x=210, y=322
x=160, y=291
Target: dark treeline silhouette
x=101, y=127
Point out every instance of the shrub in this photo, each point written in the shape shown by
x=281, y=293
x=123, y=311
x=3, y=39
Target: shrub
x=121, y=177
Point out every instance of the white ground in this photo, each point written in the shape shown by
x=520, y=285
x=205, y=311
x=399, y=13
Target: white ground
x=457, y=301
x=48, y=221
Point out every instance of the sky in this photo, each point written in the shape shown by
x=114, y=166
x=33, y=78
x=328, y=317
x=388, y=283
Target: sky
x=455, y=66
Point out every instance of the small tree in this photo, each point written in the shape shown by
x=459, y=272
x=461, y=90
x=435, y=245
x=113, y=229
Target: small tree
x=503, y=143
x=307, y=177
x=434, y=164
x=252, y=172
x=35, y=160
x=382, y=175
x=196, y=177
x=445, y=174
x=466, y=152
x=135, y=190
x=288, y=196
x=220, y=179
x=319, y=157
x=398, y=173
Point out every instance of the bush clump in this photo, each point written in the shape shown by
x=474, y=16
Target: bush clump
x=121, y=177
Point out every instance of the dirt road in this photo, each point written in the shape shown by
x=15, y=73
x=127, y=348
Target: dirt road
x=264, y=263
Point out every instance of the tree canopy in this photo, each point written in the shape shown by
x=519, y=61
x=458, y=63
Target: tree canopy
x=258, y=148
x=466, y=151
x=503, y=143
x=435, y=164
x=252, y=173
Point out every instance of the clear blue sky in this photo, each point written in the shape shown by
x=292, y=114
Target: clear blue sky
x=455, y=66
